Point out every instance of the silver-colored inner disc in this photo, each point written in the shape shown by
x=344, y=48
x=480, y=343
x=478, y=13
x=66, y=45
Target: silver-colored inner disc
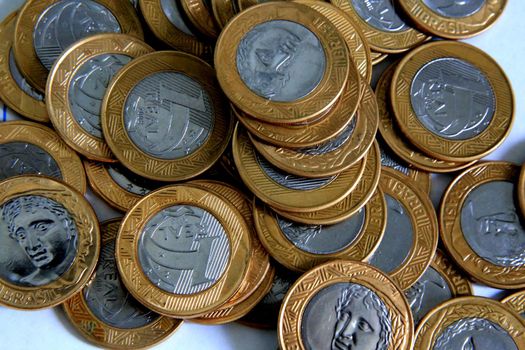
x=380, y=14
x=281, y=61
x=455, y=8
x=333, y=144
x=173, y=13
x=390, y=160
x=129, y=181
x=22, y=158
x=20, y=80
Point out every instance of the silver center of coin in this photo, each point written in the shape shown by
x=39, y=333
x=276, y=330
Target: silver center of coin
x=281, y=61
x=87, y=89
x=346, y=316
x=319, y=239
x=430, y=290
x=455, y=8
x=452, y=98
x=21, y=158
x=292, y=181
x=398, y=238
x=168, y=115
x=130, y=181
x=20, y=80
x=380, y=14
x=388, y=160
x=184, y=249
x=173, y=13
x=333, y=144
x=66, y=22
x=38, y=241
x=474, y=334
x=491, y=225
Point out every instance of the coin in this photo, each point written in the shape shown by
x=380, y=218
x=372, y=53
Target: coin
x=384, y=30
x=183, y=251
x=199, y=13
x=45, y=28
x=50, y=242
x=521, y=191
x=15, y=92
x=76, y=86
x=411, y=234
x=377, y=57
x=341, y=304
x=104, y=312
x=480, y=226
x=453, y=19
x=28, y=148
x=302, y=75
x=441, y=282
x=471, y=323
x=223, y=11
x=164, y=116
x=516, y=302
x=452, y=101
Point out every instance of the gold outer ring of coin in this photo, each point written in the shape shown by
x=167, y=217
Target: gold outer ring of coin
x=322, y=97
x=223, y=11
x=201, y=17
x=87, y=250
x=451, y=232
x=296, y=259
x=39, y=135
x=104, y=335
x=180, y=305
x=10, y=92
x=377, y=57
x=125, y=150
x=24, y=49
x=442, y=317
x=458, y=283
x=521, y=190
x=284, y=198
x=392, y=135
x=379, y=40
x=59, y=84
x=347, y=207
x=341, y=271
x=305, y=164
x=516, y=302
x=436, y=146
x=424, y=225
x=453, y=28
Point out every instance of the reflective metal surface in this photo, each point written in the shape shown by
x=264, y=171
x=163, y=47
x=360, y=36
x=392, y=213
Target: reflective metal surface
x=332, y=144
x=21, y=158
x=388, y=160
x=20, y=80
x=455, y=8
x=173, y=12
x=130, y=181
x=380, y=14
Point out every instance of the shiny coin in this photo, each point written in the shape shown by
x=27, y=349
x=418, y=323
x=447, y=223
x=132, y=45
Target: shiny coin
x=345, y=305
x=77, y=84
x=377, y=57
x=106, y=314
x=15, y=92
x=45, y=28
x=223, y=11
x=516, y=302
x=28, y=148
x=200, y=14
x=471, y=323
x=183, y=251
x=302, y=72
x=452, y=101
x=164, y=116
x=49, y=242
x=411, y=234
x=441, y=282
x=521, y=191
x=480, y=225
x=453, y=19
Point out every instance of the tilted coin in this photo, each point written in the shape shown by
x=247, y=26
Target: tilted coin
x=480, y=225
x=345, y=305
x=521, y=191
x=45, y=28
x=441, y=282
x=411, y=234
x=165, y=118
x=516, y=302
x=199, y=12
x=76, y=86
x=28, y=148
x=49, y=242
x=15, y=92
x=106, y=314
x=223, y=11
x=377, y=57
x=452, y=101
x=302, y=72
x=183, y=251
x=472, y=323
x=453, y=19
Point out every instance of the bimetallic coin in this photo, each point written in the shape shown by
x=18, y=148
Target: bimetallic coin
x=516, y=302
x=457, y=104
x=471, y=323
x=480, y=225
x=49, y=242
x=342, y=305
x=106, y=314
x=200, y=14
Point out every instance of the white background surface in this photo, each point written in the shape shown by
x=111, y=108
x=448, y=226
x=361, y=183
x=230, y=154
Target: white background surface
x=49, y=329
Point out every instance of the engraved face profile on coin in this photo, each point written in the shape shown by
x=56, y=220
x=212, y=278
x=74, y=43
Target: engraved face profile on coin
x=455, y=8
x=21, y=158
x=44, y=233
x=380, y=14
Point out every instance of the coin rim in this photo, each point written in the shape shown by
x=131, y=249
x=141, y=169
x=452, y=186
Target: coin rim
x=521, y=190
x=223, y=11
x=377, y=57
x=515, y=301
x=201, y=17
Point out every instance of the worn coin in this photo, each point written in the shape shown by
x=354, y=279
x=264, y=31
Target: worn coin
x=200, y=14
x=516, y=302
x=106, y=314
x=49, y=242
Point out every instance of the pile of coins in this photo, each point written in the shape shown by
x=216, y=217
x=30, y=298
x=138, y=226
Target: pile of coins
x=256, y=190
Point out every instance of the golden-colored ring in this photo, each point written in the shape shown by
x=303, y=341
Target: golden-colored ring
x=377, y=57
x=223, y=11
x=457, y=281
x=521, y=190
x=516, y=302
x=338, y=66
x=201, y=17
